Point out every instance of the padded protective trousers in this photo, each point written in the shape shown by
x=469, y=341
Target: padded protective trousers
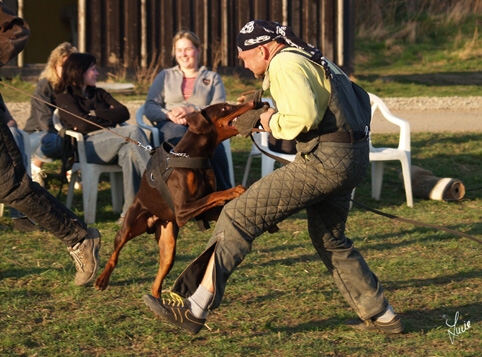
x=18, y=191
x=320, y=182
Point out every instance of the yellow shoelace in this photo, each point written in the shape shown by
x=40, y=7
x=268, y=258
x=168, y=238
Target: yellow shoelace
x=174, y=300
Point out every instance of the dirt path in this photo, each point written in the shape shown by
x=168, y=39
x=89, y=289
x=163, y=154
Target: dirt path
x=448, y=114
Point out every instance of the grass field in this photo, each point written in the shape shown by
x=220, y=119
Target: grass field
x=281, y=301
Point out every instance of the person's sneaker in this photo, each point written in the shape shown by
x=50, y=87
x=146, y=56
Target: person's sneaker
x=38, y=175
x=393, y=326
x=86, y=257
x=175, y=310
x=120, y=221
x=25, y=224
x=77, y=184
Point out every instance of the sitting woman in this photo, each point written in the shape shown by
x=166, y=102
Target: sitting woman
x=182, y=89
x=80, y=98
x=46, y=144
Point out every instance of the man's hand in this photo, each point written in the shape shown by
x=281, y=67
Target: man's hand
x=265, y=118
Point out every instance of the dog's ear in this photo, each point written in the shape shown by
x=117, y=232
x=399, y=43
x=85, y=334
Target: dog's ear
x=198, y=123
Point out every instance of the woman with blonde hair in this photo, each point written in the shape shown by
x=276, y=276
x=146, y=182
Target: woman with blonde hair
x=45, y=142
x=182, y=89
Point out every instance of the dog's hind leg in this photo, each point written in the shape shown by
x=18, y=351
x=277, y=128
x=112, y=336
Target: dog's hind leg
x=166, y=235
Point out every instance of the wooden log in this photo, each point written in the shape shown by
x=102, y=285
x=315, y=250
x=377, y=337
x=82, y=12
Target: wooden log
x=426, y=185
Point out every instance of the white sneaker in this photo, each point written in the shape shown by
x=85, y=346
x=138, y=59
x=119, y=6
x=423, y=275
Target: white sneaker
x=78, y=183
x=38, y=175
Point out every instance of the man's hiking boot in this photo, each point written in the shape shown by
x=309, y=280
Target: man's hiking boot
x=175, y=310
x=393, y=326
x=86, y=257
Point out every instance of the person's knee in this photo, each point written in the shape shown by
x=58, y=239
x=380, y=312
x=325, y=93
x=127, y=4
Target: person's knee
x=171, y=132
x=51, y=147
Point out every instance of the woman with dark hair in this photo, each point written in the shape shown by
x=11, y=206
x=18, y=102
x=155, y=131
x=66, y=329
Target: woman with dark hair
x=80, y=98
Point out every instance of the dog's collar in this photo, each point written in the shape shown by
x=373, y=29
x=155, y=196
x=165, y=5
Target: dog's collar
x=178, y=154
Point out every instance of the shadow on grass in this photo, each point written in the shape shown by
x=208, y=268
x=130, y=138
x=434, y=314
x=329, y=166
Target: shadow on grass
x=440, y=280
x=381, y=242
x=423, y=320
x=19, y=273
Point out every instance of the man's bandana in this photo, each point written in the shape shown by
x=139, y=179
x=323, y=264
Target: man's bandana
x=259, y=32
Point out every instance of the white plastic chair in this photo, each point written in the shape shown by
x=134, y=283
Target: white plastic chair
x=267, y=163
x=27, y=150
x=141, y=121
x=90, y=178
x=378, y=155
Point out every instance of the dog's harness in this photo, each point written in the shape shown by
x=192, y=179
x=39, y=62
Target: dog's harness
x=161, y=164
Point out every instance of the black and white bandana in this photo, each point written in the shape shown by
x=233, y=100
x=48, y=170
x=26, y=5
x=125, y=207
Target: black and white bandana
x=259, y=32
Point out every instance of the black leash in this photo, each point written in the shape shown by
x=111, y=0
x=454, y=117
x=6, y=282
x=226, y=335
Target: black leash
x=417, y=223
x=387, y=215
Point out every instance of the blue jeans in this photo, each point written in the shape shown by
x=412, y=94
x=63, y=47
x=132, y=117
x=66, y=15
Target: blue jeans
x=105, y=148
x=172, y=133
x=19, y=141
x=46, y=146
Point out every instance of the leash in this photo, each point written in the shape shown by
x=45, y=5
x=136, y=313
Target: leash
x=130, y=140
x=417, y=223
x=274, y=157
x=387, y=215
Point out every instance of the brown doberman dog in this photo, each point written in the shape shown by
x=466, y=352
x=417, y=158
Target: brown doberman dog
x=178, y=185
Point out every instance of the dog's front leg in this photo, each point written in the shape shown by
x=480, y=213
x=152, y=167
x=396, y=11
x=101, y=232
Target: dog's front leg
x=189, y=210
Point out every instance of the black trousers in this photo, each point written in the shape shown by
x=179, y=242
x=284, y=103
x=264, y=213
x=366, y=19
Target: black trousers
x=17, y=190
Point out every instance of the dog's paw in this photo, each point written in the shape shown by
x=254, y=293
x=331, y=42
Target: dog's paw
x=101, y=283
x=239, y=190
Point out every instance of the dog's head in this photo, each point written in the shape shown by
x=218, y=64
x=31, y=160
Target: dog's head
x=218, y=118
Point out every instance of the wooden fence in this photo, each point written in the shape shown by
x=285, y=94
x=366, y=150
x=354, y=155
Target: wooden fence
x=136, y=33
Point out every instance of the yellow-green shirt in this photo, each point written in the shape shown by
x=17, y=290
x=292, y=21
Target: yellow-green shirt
x=301, y=92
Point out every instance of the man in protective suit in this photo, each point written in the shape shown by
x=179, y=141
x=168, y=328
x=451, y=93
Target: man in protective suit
x=329, y=117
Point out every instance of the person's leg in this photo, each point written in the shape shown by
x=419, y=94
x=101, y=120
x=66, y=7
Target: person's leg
x=265, y=203
x=21, y=222
x=20, y=192
x=170, y=132
x=358, y=285
x=299, y=184
x=221, y=168
x=46, y=148
x=133, y=160
x=107, y=148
